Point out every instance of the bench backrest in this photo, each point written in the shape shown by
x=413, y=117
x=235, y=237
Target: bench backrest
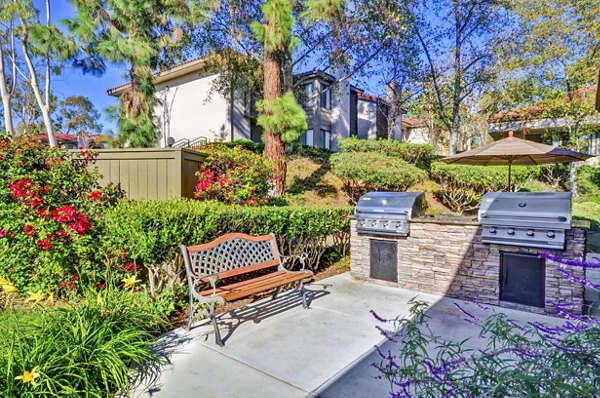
x=230, y=255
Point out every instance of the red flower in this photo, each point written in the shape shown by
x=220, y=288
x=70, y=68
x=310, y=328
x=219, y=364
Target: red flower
x=81, y=224
x=64, y=214
x=96, y=195
x=101, y=286
x=29, y=230
x=63, y=232
x=44, y=244
x=3, y=233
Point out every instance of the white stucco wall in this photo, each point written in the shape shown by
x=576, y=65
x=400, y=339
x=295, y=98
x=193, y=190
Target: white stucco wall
x=188, y=108
x=367, y=119
x=417, y=135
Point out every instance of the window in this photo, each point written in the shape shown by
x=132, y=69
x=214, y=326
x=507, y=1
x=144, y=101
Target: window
x=326, y=134
x=325, y=96
x=307, y=138
x=307, y=94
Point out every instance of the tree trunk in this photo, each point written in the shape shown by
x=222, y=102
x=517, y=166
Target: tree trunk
x=573, y=179
x=274, y=146
x=6, y=100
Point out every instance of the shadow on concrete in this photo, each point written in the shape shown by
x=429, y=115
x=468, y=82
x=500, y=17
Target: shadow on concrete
x=255, y=313
x=149, y=371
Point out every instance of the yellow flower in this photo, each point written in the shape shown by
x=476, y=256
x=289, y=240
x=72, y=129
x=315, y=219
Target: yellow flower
x=130, y=281
x=50, y=299
x=29, y=377
x=35, y=297
x=4, y=282
x=9, y=288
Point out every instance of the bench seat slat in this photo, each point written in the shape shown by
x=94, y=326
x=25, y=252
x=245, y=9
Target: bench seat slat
x=243, y=270
x=246, y=288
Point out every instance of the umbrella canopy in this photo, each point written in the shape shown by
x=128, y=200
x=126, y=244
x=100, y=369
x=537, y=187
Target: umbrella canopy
x=517, y=151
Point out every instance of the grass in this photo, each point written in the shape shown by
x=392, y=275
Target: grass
x=589, y=211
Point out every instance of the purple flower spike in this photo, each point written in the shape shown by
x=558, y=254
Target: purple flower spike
x=466, y=312
x=380, y=319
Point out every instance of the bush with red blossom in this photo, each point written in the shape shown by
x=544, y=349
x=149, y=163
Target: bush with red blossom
x=233, y=175
x=51, y=215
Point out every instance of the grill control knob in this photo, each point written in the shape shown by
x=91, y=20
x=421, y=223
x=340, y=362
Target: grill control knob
x=493, y=231
x=530, y=233
x=551, y=234
x=511, y=232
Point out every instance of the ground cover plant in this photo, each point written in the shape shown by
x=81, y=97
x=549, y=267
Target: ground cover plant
x=85, y=347
x=531, y=359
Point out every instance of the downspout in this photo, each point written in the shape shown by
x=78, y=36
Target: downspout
x=231, y=104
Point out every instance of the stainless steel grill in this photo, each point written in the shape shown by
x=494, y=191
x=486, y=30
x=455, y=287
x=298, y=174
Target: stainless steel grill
x=529, y=219
x=388, y=213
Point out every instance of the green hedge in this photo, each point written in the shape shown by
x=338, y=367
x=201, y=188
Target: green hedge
x=461, y=187
x=150, y=232
x=361, y=172
x=588, y=181
x=420, y=155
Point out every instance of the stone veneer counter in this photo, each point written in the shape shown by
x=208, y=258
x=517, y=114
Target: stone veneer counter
x=446, y=256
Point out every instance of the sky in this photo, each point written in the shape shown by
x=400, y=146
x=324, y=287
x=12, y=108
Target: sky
x=72, y=81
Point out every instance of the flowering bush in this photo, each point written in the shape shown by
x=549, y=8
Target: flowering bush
x=50, y=216
x=233, y=176
x=532, y=359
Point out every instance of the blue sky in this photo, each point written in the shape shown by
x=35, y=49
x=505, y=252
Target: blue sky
x=73, y=82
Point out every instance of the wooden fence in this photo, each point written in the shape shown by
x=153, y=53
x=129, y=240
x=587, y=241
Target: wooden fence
x=148, y=174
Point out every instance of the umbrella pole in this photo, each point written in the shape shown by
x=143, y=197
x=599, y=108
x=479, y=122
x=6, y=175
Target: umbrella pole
x=509, y=182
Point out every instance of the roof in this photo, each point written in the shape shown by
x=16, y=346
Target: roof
x=411, y=122
x=65, y=138
x=536, y=111
x=164, y=75
x=367, y=96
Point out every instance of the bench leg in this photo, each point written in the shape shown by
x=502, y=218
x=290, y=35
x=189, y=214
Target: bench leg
x=302, y=292
x=191, y=313
x=276, y=293
x=213, y=320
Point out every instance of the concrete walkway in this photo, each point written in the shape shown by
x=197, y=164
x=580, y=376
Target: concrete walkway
x=278, y=349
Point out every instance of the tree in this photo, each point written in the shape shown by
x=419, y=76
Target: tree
x=142, y=34
x=43, y=41
x=78, y=115
x=8, y=64
x=550, y=63
x=463, y=32
x=281, y=116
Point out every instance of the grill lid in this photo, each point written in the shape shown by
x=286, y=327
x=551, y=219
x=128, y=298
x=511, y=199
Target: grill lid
x=389, y=204
x=527, y=209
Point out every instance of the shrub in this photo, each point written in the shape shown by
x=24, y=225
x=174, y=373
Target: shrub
x=588, y=182
x=520, y=359
x=361, y=172
x=79, y=349
x=461, y=187
x=420, y=155
x=233, y=175
x=249, y=145
x=150, y=232
x=50, y=215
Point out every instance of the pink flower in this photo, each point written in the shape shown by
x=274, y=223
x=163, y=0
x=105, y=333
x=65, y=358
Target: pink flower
x=44, y=244
x=29, y=230
x=96, y=195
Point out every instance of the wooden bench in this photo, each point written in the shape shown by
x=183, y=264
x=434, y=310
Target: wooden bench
x=236, y=254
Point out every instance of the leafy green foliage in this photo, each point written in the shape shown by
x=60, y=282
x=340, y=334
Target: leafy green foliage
x=371, y=171
x=50, y=214
x=420, y=155
x=150, y=232
x=588, y=181
x=276, y=32
x=283, y=116
x=84, y=348
x=246, y=144
x=233, y=175
x=532, y=359
x=461, y=187
x=78, y=114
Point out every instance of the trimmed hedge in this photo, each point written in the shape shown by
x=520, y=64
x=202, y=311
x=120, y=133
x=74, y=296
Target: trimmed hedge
x=461, y=187
x=421, y=155
x=150, y=232
x=361, y=172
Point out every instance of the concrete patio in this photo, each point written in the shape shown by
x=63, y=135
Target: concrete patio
x=275, y=348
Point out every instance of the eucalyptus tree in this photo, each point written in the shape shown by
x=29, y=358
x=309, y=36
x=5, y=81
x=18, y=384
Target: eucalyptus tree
x=143, y=35
x=458, y=40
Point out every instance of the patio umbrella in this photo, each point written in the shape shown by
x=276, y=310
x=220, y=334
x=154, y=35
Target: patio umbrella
x=517, y=151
